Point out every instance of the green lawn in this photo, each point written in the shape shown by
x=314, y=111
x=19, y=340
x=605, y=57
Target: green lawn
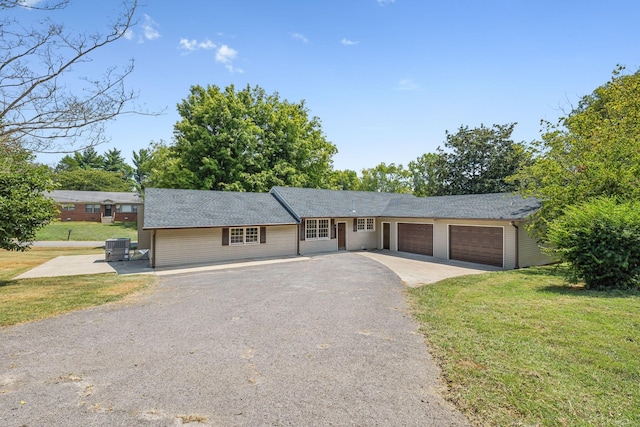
x=521, y=348
x=34, y=299
x=87, y=231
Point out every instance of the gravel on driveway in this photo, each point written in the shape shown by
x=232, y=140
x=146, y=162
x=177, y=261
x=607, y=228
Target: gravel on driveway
x=323, y=342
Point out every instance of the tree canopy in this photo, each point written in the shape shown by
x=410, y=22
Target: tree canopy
x=478, y=161
x=24, y=207
x=89, y=171
x=244, y=140
x=592, y=151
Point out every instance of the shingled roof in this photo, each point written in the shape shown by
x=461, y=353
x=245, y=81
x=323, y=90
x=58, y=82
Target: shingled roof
x=73, y=196
x=312, y=202
x=169, y=208
x=308, y=202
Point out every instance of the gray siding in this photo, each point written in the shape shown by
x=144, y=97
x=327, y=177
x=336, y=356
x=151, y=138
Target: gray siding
x=144, y=236
x=204, y=245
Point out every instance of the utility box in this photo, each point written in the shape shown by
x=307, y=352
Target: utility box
x=117, y=249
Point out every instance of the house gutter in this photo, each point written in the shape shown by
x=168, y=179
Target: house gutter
x=514, y=224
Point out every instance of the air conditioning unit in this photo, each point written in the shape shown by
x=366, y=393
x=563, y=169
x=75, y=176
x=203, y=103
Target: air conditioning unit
x=117, y=249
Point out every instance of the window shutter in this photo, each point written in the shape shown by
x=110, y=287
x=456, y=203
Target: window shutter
x=225, y=237
x=333, y=228
x=303, y=230
x=355, y=224
x=263, y=234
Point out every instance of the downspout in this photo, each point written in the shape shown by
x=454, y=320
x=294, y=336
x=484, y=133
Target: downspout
x=513, y=223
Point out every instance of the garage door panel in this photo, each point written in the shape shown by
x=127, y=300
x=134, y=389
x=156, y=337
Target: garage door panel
x=415, y=238
x=482, y=245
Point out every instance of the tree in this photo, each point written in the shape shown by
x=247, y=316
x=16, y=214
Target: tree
x=390, y=178
x=39, y=105
x=479, y=160
x=593, y=151
x=245, y=141
x=345, y=180
x=92, y=180
x=24, y=208
x=114, y=162
x=428, y=174
x=141, y=163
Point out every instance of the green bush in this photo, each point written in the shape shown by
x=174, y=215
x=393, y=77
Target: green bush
x=600, y=239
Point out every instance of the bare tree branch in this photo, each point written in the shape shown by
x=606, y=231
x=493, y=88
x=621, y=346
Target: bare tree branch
x=37, y=107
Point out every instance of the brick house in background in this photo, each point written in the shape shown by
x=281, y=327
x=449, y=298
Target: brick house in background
x=97, y=206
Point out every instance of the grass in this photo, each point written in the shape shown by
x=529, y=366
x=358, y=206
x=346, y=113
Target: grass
x=521, y=348
x=35, y=299
x=87, y=231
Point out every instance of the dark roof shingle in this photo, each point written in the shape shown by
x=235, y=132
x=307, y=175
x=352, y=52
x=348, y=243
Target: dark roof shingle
x=170, y=208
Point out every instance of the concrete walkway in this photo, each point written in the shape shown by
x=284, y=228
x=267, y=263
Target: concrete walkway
x=417, y=270
x=413, y=270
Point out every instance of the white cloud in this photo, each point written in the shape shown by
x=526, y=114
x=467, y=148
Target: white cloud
x=300, y=37
x=149, y=28
x=128, y=34
x=193, y=45
x=407, y=84
x=348, y=42
x=225, y=54
x=385, y=2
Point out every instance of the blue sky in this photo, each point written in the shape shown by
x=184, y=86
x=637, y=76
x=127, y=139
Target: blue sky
x=387, y=78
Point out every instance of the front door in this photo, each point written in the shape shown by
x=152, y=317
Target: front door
x=342, y=236
x=386, y=231
x=107, y=210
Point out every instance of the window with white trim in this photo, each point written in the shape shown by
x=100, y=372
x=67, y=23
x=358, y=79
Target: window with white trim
x=92, y=208
x=366, y=224
x=317, y=229
x=244, y=236
x=126, y=208
x=68, y=207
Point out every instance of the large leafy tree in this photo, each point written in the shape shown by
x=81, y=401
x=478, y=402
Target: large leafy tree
x=92, y=180
x=478, y=160
x=428, y=174
x=24, y=208
x=245, y=140
x=593, y=151
x=389, y=178
x=44, y=104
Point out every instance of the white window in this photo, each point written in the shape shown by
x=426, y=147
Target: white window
x=366, y=224
x=126, y=208
x=251, y=235
x=244, y=236
x=323, y=229
x=317, y=229
x=92, y=208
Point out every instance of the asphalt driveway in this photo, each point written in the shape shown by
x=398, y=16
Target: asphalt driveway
x=327, y=341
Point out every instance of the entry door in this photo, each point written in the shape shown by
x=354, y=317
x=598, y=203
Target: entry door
x=342, y=236
x=107, y=210
x=386, y=231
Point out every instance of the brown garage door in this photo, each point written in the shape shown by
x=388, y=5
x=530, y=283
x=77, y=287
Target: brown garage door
x=482, y=245
x=415, y=238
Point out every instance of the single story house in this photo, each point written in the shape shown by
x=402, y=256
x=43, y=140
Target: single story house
x=99, y=206
x=193, y=226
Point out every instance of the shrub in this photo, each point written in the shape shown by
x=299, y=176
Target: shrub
x=600, y=239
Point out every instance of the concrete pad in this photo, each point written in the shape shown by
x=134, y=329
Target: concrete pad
x=70, y=266
x=417, y=270
x=73, y=265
